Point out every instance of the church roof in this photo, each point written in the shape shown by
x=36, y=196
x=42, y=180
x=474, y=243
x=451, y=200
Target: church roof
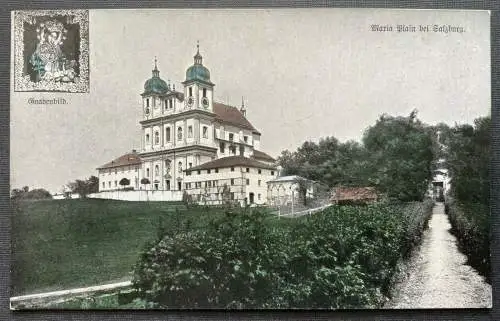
x=124, y=160
x=226, y=114
x=232, y=116
x=231, y=161
x=257, y=154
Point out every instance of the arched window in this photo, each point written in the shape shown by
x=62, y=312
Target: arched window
x=179, y=133
x=157, y=170
x=147, y=138
x=147, y=102
x=205, y=132
x=157, y=138
x=147, y=172
x=167, y=134
x=180, y=167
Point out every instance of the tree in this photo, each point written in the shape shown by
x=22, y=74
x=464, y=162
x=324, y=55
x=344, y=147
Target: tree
x=35, y=194
x=400, y=152
x=85, y=187
x=468, y=159
x=302, y=186
x=124, y=182
x=145, y=181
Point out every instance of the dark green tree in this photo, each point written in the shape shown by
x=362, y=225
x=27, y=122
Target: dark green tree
x=401, y=155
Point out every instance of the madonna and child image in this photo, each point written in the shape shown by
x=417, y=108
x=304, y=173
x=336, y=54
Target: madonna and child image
x=51, y=51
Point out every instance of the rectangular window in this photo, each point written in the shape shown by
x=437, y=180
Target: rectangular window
x=187, y=185
x=216, y=170
x=190, y=165
x=222, y=147
x=170, y=103
x=205, y=132
x=272, y=172
x=190, y=131
x=103, y=185
x=232, y=169
x=115, y=171
x=208, y=171
x=260, y=171
x=204, y=92
x=147, y=102
x=188, y=173
x=190, y=91
x=245, y=138
x=232, y=181
x=258, y=197
x=109, y=184
x=248, y=181
x=199, y=172
x=258, y=182
x=214, y=183
x=248, y=170
x=167, y=134
x=116, y=184
x=209, y=183
x=231, y=137
x=232, y=195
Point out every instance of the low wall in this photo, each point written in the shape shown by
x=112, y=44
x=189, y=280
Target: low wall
x=141, y=195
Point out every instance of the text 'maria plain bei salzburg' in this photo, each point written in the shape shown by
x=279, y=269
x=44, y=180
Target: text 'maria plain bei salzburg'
x=417, y=28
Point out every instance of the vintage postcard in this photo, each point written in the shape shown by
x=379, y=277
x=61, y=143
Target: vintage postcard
x=250, y=159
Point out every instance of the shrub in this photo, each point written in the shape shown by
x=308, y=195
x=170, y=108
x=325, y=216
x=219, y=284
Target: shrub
x=342, y=257
x=470, y=224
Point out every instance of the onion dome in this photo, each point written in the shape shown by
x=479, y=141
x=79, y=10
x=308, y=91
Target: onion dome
x=155, y=85
x=198, y=71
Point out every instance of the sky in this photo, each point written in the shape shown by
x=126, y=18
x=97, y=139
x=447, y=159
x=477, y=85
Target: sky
x=303, y=74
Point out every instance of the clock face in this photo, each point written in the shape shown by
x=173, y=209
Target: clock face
x=190, y=101
x=204, y=102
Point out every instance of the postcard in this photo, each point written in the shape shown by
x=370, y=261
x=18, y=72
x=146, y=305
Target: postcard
x=250, y=159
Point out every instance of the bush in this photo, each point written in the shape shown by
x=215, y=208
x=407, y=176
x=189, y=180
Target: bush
x=342, y=257
x=470, y=224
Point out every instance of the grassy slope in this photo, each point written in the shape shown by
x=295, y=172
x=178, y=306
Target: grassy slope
x=60, y=244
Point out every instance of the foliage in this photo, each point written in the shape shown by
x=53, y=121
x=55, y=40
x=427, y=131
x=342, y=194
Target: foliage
x=187, y=199
x=468, y=161
x=124, y=182
x=26, y=194
x=145, y=181
x=84, y=187
x=343, y=257
x=471, y=225
x=396, y=157
x=401, y=156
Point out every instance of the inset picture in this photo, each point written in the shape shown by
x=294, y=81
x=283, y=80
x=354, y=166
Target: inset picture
x=51, y=50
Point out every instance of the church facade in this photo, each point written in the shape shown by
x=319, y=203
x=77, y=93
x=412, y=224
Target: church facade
x=192, y=143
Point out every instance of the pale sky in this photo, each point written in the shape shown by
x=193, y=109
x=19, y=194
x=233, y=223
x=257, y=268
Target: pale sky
x=304, y=74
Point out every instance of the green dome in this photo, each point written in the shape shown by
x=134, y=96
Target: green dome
x=198, y=72
x=155, y=85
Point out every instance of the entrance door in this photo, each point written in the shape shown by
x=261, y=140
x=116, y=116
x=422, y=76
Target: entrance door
x=251, y=198
x=179, y=185
x=167, y=185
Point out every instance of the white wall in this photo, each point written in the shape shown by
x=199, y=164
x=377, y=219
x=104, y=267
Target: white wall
x=112, y=175
x=164, y=196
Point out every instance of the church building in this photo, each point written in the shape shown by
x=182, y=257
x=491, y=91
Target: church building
x=192, y=143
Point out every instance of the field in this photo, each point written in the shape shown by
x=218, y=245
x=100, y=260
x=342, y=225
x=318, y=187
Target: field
x=344, y=256
x=61, y=244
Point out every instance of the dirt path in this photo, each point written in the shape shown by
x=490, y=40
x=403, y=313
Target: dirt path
x=438, y=276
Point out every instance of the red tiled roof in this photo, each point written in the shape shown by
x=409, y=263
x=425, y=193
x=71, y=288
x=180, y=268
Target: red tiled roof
x=257, y=154
x=124, y=160
x=231, y=161
x=354, y=193
x=231, y=115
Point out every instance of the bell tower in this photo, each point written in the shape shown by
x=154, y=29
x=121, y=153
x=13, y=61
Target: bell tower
x=198, y=89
